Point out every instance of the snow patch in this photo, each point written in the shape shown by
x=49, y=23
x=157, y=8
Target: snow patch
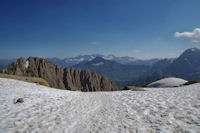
x=73, y=59
x=91, y=58
x=109, y=57
x=27, y=64
x=167, y=82
x=193, y=49
x=80, y=59
x=98, y=64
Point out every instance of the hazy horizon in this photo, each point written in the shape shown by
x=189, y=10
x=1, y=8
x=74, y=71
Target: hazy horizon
x=135, y=28
x=10, y=58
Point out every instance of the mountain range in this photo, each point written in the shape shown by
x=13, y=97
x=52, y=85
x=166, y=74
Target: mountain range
x=119, y=73
x=71, y=61
x=57, y=77
x=186, y=66
x=130, y=71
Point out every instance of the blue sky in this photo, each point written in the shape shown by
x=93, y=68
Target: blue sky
x=61, y=28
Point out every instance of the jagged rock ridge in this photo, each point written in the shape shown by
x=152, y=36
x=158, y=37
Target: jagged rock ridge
x=57, y=77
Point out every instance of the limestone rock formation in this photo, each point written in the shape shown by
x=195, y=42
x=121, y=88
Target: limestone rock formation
x=86, y=80
x=57, y=77
x=37, y=67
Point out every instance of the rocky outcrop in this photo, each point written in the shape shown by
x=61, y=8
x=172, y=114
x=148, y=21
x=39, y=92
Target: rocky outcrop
x=57, y=77
x=37, y=67
x=86, y=80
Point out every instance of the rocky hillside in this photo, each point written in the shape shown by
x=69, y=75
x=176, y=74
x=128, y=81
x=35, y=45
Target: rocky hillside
x=37, y=67
x=57, y=77
x=187, y=66
x=86, y=80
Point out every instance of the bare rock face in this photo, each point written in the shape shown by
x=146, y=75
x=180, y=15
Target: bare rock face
x=86, y=80
x=37, y=67
x=16, y=68
x=57, y=77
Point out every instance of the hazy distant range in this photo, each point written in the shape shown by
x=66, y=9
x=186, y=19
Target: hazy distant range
x=131, y=71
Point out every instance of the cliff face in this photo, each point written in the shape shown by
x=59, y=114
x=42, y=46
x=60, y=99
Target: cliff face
x=86, y=80
x=37, y=67
x=68, y=78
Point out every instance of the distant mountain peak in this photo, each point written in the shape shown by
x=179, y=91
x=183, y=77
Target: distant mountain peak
x=189, y=53
x=71, y=61
x=109, y=57
x=193, y=49
x=98, y=59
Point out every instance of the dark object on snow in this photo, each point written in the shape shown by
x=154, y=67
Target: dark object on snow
x=133, y=88
x=192, y=82
x=19, y=100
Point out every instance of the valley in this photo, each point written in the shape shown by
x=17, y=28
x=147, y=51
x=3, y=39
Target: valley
x=130, y=71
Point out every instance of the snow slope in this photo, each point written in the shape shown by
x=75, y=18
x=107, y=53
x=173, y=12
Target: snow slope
x=167, y=82
x=51, y=110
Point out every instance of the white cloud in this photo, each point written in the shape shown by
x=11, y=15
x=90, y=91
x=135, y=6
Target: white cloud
x=194, y=36
x=93, y=43
x=137, y=51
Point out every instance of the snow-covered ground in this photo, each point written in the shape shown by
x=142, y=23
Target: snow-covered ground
x=52, y=110
x=168, y=82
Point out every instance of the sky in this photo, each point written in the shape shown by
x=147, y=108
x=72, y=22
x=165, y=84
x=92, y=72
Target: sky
x=142, y=29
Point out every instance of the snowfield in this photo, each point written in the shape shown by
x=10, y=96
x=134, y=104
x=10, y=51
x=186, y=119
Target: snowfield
x=53, y=110
x=168, y=82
